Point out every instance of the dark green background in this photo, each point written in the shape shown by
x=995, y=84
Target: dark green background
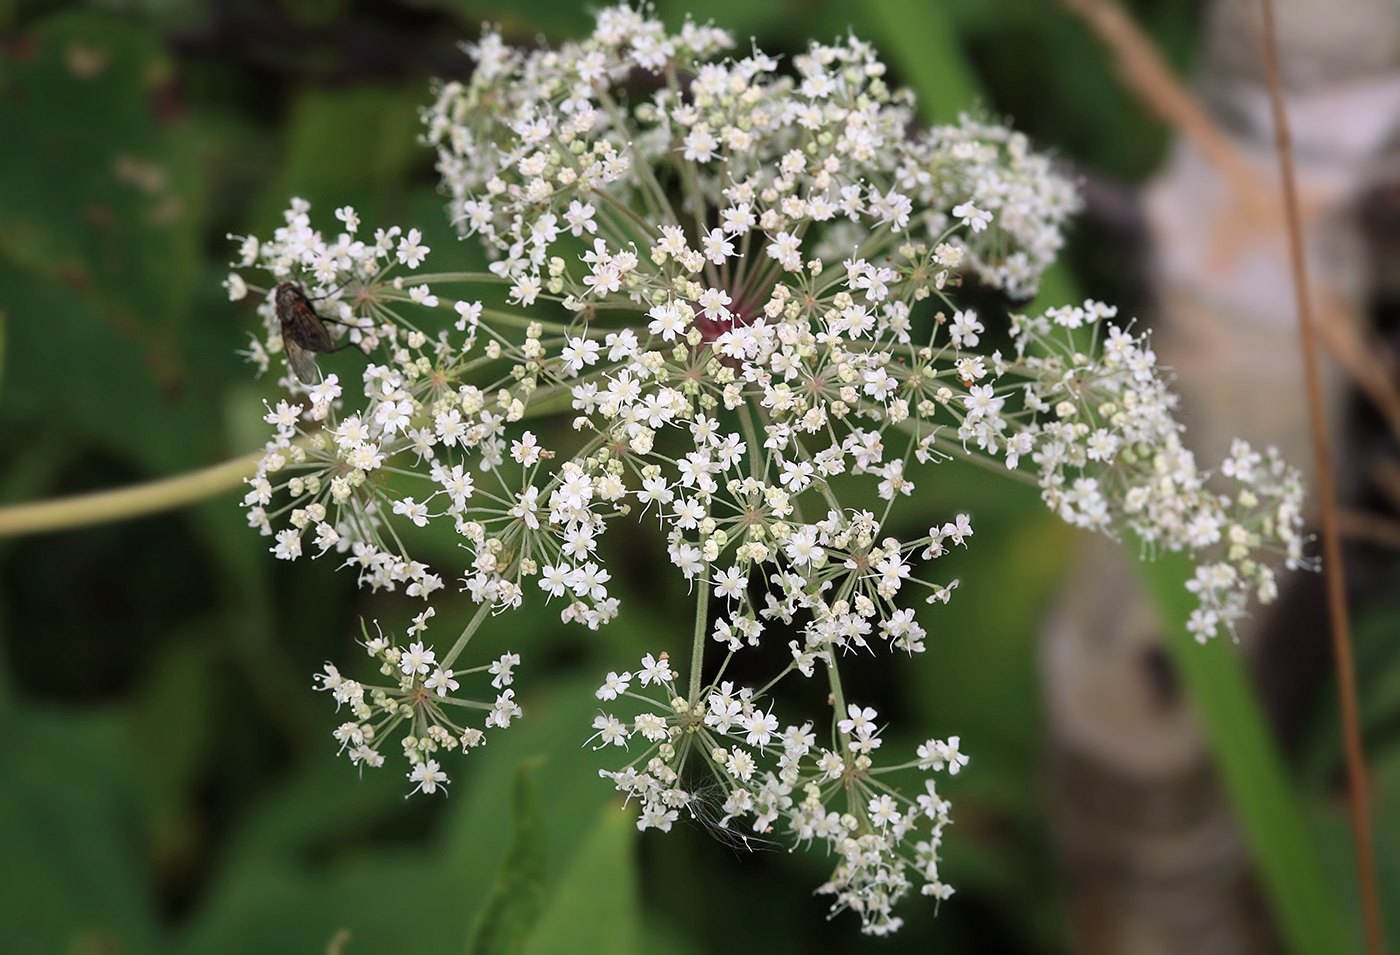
x=167, y=777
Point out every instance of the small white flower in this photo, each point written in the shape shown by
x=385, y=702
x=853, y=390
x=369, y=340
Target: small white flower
x=428, y=776
x=973, y=217
x=417, y=661
x=730, y=583
x=411, y=251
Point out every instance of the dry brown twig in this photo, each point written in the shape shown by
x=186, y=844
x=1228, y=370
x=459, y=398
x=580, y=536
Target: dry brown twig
x=1358, y=789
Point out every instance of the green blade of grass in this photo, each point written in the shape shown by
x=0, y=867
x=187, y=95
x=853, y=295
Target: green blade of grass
x=1304, y=905
x=921, y=41
x=511, y=910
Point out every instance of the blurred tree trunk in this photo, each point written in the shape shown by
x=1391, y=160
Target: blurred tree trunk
x=1155, y=863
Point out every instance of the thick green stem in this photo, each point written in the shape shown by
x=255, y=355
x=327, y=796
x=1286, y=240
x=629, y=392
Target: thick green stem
x=430, y=277
x=746, y=422
x=838, y=702
x=697, y=649
x=481, y=613
x=103, y=506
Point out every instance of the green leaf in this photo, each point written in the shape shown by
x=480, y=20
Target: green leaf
x=74, y=877
x=96, y=184
x=518, y=18
x=1303, y=902
x=515, y=901
x=331, y=853
x=595, y=907
x=75, y=372
x=170, y=730
x=352, y=147
x=99, y=240
x=326, y=852
x=1333, y=826
x=922, y=43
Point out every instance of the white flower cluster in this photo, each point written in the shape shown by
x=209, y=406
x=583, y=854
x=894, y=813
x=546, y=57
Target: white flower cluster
x=737, y=742
x=417, y=702
x=1096, y=420
x=735, y=279
x=544, y=143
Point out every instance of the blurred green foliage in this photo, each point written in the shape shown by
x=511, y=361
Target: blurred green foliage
x=168, y=781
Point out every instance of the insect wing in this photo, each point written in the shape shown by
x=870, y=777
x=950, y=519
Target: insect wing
x=309, y=331
x=303, y=364
x=300, y=321
x=303, y=332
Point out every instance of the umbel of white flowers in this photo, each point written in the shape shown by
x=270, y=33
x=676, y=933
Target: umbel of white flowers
x=736, y=275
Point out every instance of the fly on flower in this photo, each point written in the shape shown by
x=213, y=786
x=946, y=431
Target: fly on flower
x=303, y=331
